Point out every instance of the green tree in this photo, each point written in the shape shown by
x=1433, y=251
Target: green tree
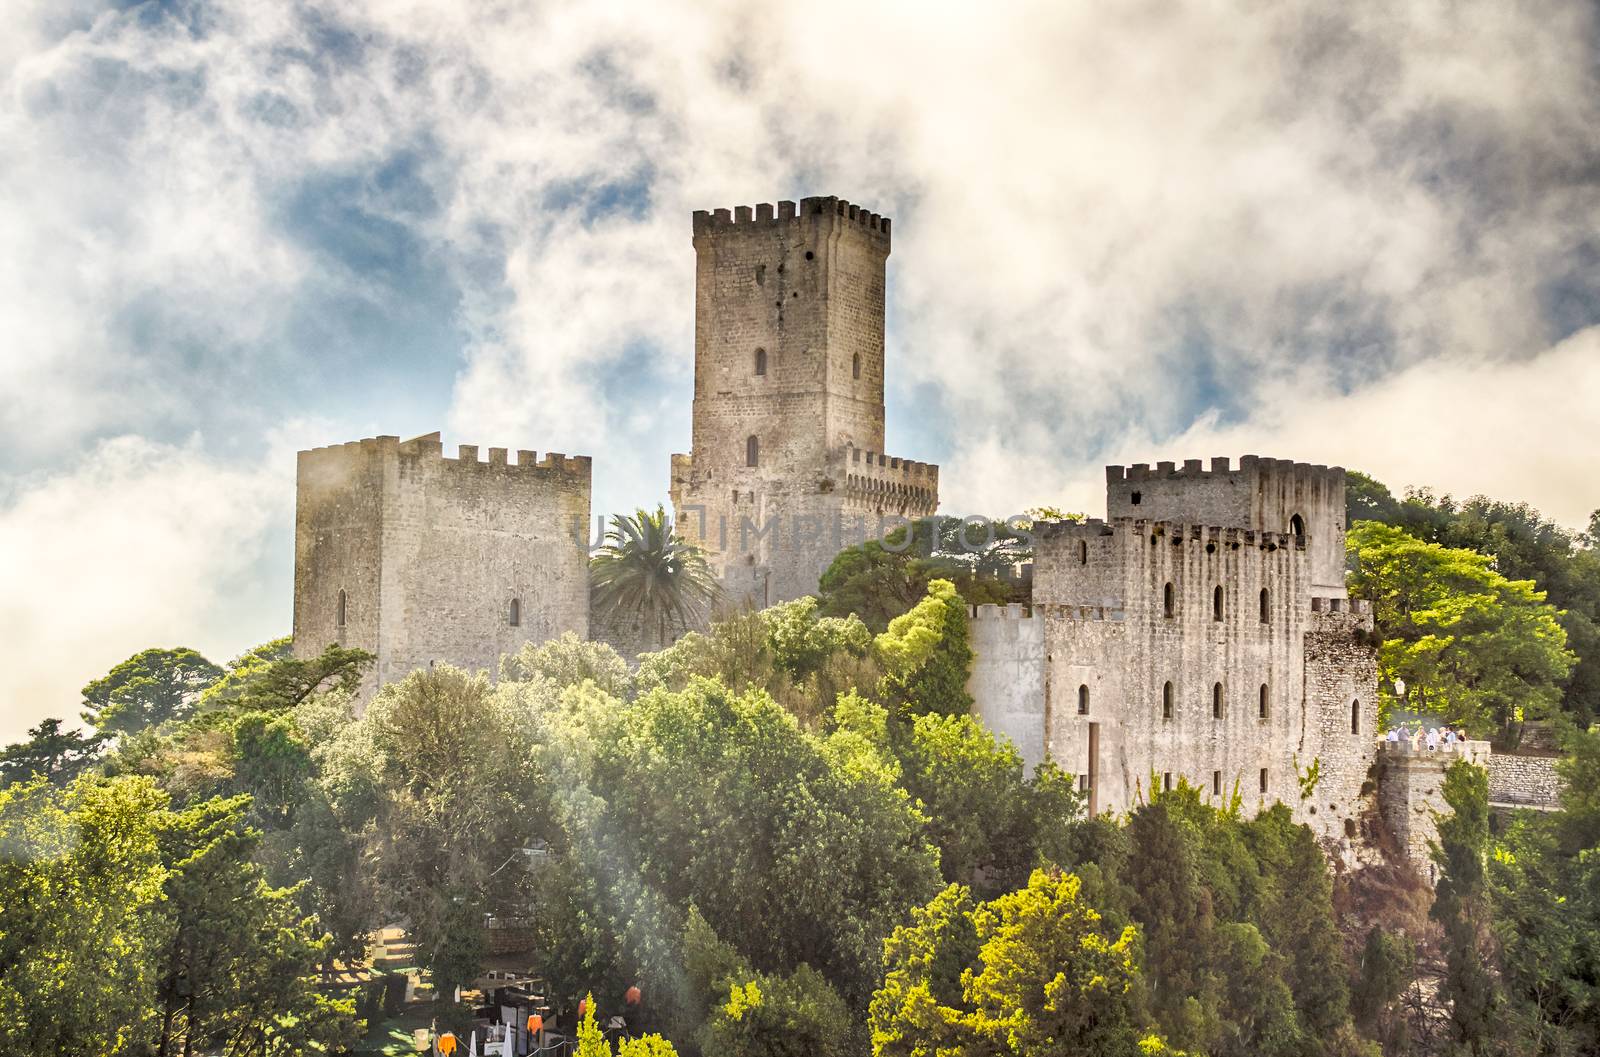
x=443, y=770
x=926, y=656
x=246, y=668
x=1296, y=917
x=146, y=690
x=237, y=963
x=746, y=1013
x=1030, y=974
x=570, y=661
x=1174, y=905
x=80, y=886
x=1388, y=966
x=646, y=573
x=797, y=848
x=992, y=823
x=1461, y=906
x=879, y=580
x=51, y=753
x=1472, y=647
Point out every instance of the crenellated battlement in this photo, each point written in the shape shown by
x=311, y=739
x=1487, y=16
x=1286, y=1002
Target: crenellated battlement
x=877, y=480
x=1176, y=532
x=875, y=463
x=430, y=447
x=1221, y=466
x=714, y=221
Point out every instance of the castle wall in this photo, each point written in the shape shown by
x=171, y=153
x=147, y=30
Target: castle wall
x=802, y=289
x=1260, y=494
x=1113, y=644
x=1521, y=780
x=438, y=550
x=1411, y=795
x=1007, y=679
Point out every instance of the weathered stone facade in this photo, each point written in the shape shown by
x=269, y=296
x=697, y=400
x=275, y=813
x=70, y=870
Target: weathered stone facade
x=1179, y=649
x=420, y=559
x=786, y=466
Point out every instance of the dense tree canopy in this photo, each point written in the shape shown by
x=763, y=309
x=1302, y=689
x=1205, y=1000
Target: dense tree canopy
x=146, y=690
x=1482, y=652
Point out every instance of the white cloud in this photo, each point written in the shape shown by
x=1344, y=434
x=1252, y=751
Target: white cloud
x=136, y=544
x=1505, y=429
x=1114, y=227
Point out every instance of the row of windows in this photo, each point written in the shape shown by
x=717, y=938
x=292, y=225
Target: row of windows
x=1263, y=704
x=1216, y=782
x=341, y=610
x=761, y=363
x=1169, y=600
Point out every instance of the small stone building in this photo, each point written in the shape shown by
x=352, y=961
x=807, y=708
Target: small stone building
x=1202, y=633
x=419, y=558
x=786, y=466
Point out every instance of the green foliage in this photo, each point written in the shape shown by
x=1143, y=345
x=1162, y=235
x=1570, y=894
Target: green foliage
x=443, y=769
x=1033, y=972
x=126, y=927
x=925, y=655
x=1523, y=546
x=150, y=688
x=267, y=679
x=992, y=824
x=879, y=580
x=1478, y=650
x=752, y=1014
x=245, y=668
x=1461, y=906
x=80, y=888
x=1388, y=966
x=646, y=573
x=570, y=661
x=56, y=755
x=796, y=848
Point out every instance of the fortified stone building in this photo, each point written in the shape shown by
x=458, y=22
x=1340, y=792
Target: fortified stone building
x=418, y=558
x=786, y=466
x=1202, y=633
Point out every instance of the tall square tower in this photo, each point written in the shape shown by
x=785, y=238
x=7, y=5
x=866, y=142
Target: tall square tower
x=786, y=463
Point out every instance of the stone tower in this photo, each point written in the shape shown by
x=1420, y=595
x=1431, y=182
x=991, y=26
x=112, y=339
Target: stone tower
x=418, y=559
x=785, y=466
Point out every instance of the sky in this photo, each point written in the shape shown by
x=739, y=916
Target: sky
x=1364, y=234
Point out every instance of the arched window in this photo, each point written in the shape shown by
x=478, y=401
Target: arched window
x=1166, y=701
x=516, y=613
x=752, y=451
x=1266, y=607
x=1169, y=600
x=1355, y=716
x=1216, y=603
x=1216, y=700
x=1083, y=700
x=1263, y=706
x=338, y=617
x=855, y=366
x=761, y=361
x=1297, y=526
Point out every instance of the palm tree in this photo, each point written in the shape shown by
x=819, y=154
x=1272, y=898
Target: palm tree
x=646, y=572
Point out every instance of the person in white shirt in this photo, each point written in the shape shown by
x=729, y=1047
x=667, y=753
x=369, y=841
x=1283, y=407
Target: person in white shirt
x=1433, y=738
x=1394, y=736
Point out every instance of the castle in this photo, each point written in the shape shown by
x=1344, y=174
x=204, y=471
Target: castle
x=787, y=465
x=1201, y=633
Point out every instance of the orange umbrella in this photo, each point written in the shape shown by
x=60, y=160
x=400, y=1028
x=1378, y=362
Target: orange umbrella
x=632, y=996
x=535, y=1023
x=447, y=1043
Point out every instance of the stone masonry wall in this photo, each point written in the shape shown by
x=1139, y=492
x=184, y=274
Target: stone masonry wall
x=1260, y=494
x=1518, y=780
x=436, y=550
x=789, y=351
x=1007, y=679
